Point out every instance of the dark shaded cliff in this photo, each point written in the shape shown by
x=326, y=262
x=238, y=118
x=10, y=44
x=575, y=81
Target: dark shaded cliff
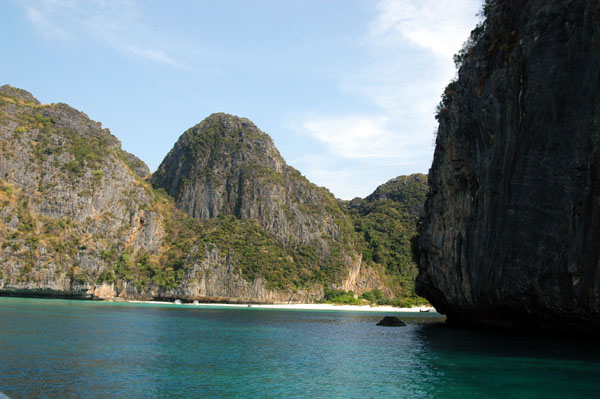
x=511, y=234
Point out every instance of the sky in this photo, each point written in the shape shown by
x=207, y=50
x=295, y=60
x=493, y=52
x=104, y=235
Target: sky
x=347, y=89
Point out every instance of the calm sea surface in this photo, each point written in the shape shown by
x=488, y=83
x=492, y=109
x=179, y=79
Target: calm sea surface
x=77, y=349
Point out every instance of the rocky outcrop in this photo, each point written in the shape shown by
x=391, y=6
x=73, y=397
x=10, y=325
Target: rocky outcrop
x=512, y=222
x=408, y=192
x=225, y=165
x=391, y=321
x=67, y=197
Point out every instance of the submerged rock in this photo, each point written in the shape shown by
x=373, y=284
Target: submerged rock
x=511, y=231
x=391, y=321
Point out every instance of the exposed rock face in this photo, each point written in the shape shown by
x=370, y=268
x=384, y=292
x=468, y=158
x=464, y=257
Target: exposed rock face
x=216, y=279
x=225, y=165
x=66, y=196
x=512, y=224
x=77, y=221
x=77, y=218
x=218, y=166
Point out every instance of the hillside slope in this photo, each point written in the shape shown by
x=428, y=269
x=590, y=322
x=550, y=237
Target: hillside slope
x=77, y=221
x=387, y=221
x=71, y=204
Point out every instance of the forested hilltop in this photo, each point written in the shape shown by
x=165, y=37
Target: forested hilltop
x=224, y=218
x=386, y=222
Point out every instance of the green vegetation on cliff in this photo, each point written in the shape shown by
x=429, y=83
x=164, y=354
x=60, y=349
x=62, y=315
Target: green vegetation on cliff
x=387, y=222
x=72, y=208
x=277, y=225
x=226, y=218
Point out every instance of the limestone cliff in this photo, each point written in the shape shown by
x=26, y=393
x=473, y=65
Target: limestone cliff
x=68, y=196
x=226, y=166
x=512, y=222
x=77, y=218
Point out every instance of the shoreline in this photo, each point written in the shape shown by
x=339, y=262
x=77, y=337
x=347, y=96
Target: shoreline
x=238, y=305
x=300, y=306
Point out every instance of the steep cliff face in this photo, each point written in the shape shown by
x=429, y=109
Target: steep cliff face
x=68, y=198
x=226, y=166
x=512, y=222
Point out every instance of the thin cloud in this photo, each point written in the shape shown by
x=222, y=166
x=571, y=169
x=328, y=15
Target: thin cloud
x=351, y=136
x=408, y=48
x=344, y=182
x=115, y=23
x=42, y=24
x=158, y=56
x=435, y=25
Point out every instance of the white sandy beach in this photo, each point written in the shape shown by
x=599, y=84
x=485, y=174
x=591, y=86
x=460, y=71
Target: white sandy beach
x=354, y=308
x=304, y=306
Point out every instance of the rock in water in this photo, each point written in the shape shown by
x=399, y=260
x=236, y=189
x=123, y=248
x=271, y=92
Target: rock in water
x=391, y=321
x=511, y=233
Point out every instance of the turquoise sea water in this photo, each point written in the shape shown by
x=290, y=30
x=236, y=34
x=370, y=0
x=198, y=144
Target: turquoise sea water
x=77, y=349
